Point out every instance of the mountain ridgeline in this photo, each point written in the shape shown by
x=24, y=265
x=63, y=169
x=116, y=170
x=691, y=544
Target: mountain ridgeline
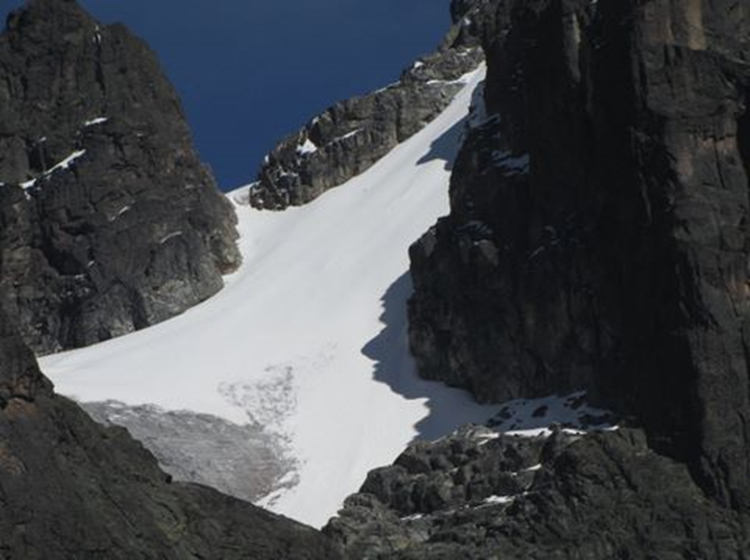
x=349, y=137
x=109, y=222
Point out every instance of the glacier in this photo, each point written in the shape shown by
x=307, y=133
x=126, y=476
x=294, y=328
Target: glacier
x=308, y=338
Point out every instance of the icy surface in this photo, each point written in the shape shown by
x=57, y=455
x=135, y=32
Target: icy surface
x=94, y=122
x=308, y=339
x=203, y=448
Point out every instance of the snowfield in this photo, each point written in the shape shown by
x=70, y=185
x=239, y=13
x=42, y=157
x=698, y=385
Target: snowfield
x=308, y=339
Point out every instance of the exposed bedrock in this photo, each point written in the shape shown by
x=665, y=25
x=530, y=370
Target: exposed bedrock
x=476, y=496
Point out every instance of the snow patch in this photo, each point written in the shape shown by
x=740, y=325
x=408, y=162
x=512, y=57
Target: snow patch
x=169, y=236
x=539, y=417
x=307, y=148
x=119, y=213
x=94, y=122
x=347, y=135
x=499, y=500
x=463, y=80
x=386, y=88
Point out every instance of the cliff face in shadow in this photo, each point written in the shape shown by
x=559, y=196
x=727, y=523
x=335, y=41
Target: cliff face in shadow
x=598, y=233
x=109, y=222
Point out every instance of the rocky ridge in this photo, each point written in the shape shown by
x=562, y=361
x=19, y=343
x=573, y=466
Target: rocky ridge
x=349, y=137
x=597, y=240
x=109, y=222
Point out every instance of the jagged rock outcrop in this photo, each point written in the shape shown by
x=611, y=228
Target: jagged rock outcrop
x=480, y=496
x=352, y=135
x=598, y=234
x=71, y=489
x=109, y=222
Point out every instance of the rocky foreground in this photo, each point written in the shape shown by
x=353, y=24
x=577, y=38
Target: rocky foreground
x=72, y=489
x=479, y=496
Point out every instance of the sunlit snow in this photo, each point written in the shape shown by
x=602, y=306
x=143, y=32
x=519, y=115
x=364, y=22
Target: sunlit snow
x=309, y=337
x=94, y=122
x=307, y=148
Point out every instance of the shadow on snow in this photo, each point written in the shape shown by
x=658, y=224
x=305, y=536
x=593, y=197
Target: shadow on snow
x=446, y=146
x=447, y=408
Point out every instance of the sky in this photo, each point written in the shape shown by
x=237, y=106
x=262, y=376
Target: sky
x=251, y=71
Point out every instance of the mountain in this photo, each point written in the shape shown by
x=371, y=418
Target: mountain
x=588, y=284
x=109, y=222
x=303, y=356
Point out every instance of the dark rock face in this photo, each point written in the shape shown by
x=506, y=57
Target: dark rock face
x=109, y=222
x=598, y=234
x=70, y=488
x=472, y=496
x=351, y=136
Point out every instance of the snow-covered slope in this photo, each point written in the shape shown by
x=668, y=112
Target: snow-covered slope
x=309, y=337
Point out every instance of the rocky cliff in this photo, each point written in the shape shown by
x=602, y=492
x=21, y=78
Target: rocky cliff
x=352, y=135
x=480, y=496
x=598, y=231
x=109, y=222
x=70, y=488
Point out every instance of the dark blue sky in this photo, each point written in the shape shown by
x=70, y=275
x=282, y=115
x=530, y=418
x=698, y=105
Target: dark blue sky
x=251, y=71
